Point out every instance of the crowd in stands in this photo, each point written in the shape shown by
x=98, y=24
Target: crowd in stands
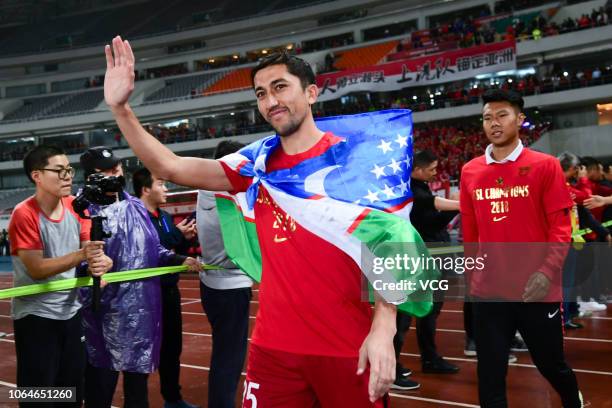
x=14, y=151
x=469, y=91
x=461, y=32
x=455, y=145
x=468, y=32
x=464, y=31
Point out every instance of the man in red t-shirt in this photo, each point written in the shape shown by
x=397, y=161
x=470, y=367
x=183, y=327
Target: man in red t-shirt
x=314, y=337
x=514, y=195
x=49, y=240
x=595, y=176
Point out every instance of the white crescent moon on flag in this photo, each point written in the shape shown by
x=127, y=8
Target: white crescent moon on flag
x=314, y=183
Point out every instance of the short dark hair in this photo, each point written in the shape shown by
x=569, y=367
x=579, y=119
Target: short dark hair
x=295, y=66
x=140, y=179
x=589, y=162
x=607, y=167
x=500, y=95
x=568, y=160
x=38, y=158
x=227, y=147
x=423, y=158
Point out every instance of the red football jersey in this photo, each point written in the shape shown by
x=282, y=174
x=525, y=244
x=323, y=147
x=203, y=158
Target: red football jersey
x=310, y=292
x=522, y=201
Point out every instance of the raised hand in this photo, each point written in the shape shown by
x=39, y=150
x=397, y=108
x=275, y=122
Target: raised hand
x=119, y=78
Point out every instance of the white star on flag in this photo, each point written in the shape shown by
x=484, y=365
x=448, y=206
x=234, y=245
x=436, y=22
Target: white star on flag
x=388, y=191
x=402, y=140
x=378, y=171
x=385, y=146
x=395, y=166
x=372, y=196
x=403, y=186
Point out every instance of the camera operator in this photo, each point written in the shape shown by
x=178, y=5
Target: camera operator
x=125, y=333
x=45, y=235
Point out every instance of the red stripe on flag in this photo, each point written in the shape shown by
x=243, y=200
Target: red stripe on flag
x=226, y=197
x=241, y=165
x=230, y=198
x=399, y=206
x=315, y=197
x=356, y=223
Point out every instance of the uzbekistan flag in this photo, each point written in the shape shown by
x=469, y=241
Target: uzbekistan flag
x=356, y=195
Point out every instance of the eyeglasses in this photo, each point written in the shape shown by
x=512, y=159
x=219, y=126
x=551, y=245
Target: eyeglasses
x=62, y=173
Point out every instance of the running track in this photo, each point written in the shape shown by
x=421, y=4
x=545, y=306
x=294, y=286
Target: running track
x=589, y=352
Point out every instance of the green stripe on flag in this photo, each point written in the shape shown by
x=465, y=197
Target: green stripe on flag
x=384, y=234
x=239, y=238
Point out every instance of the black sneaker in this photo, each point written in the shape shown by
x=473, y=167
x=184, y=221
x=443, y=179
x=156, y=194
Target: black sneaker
x=518, y=345
x=470, y=348
x=439, y=366
x=572, y=325
x=403, y=372
x=404, y=384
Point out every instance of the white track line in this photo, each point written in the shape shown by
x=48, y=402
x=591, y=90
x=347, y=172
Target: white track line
x=474, y=360
x=412, y=327
x=394, y=395
x=566, y=338
x=433, y=401
x=467, y=360
x=204, y=314
x=460, y=331
x=190, y=302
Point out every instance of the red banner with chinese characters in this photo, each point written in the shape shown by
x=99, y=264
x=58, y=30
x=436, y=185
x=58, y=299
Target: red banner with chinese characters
x=432, y=69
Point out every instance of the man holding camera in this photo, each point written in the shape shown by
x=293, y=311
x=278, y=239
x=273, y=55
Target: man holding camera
x=46, y=235
x=125, y=334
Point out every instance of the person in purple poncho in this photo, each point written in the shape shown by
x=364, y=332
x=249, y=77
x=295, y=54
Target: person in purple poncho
x=124, y=335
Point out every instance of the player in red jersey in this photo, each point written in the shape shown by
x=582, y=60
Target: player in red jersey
x=512, y=194
x=315, y=342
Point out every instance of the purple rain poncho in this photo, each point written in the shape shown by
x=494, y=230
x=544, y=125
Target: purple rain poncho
x=125, y=335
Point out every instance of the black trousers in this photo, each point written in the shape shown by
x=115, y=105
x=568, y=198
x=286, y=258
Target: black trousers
x=100, y=384
x=426, y=333
x=50, y=353
x=540, y=325
x=468, y=319
x=228, y=314
x=172, y=343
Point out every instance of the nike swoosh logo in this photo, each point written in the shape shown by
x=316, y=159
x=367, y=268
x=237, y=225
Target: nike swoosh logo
x=279, y=240
x=495, y=219
x=551, y=315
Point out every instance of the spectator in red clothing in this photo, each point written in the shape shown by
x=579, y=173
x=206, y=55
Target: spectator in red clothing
x=595, y=175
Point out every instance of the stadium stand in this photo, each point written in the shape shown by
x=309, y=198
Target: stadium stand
x=237, y=80
x=364, y=56
x=39, y=108
x=184, y=87
x=35, y=107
